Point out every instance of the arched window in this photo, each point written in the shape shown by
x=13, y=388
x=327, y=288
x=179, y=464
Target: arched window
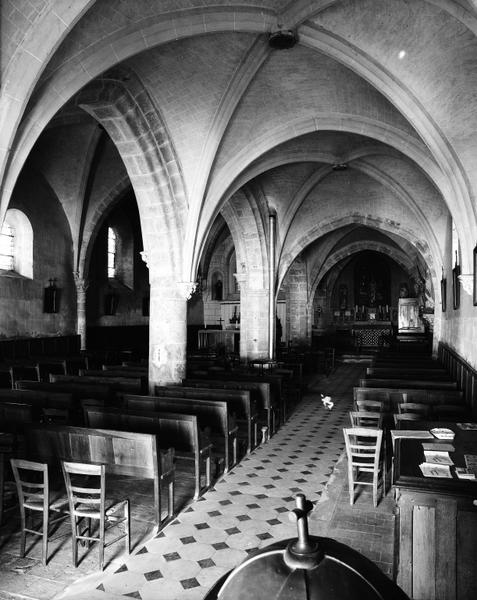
x=7, y=248
x=111, y=253
x=16, y=243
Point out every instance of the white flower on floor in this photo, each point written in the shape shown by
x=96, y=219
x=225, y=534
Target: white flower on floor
x=327, y=402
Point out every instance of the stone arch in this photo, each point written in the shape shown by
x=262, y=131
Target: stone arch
x=460, y=201
x=397, y=255
x=334, y=224
x=237, y=172
x=383, y=179
x=40, y=40
x=141, y=138
x=95, y=222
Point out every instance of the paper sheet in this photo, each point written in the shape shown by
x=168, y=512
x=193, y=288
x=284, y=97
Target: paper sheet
x=429, y=470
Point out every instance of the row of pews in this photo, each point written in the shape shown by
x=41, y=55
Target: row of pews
x=106, y=415
x=436, y=514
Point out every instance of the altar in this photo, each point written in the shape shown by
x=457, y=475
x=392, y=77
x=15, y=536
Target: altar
x=372, y=334
x=211, y=339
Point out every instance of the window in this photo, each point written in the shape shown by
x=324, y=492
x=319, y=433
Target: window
x=111, y=253
x=16, y=244
x=7, y=248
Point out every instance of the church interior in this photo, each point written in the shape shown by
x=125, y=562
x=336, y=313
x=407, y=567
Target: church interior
x=273, y=202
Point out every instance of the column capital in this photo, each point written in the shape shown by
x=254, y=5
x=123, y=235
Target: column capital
x=145, y=257
x=81, y=283
x=186, y=288
x=241, y=279
x=467, y=282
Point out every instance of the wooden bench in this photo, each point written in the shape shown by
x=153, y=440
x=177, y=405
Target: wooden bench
x=421, y=384
x=40, y=401
x=123, y=453
x=394, y=396
x=172, y=429
x=78, y=391
x=128, y=385
x=15, y=415
x=259, y=390
x=214, y=418
x=405, y=372
x=119, y=372
x=242, y=406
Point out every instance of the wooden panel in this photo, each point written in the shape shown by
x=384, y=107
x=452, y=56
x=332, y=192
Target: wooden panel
x=467, y=555
x=446, y=519
x=423, y=553
x=404, y=577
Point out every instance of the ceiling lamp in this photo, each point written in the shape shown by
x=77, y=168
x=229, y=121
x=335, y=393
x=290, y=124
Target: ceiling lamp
x=282, y=39
x=339, y=167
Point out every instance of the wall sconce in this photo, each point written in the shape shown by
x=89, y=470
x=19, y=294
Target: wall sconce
x=51, y=297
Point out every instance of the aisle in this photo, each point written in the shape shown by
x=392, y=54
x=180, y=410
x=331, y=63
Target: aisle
x=246, y=510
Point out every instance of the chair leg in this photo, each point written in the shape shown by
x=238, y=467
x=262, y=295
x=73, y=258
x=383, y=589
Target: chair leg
x=101, y=545
x=74, y=540
x=44, y=549
x=351, y=484
x=170, y=506
x=23, y=532
x=127, y=527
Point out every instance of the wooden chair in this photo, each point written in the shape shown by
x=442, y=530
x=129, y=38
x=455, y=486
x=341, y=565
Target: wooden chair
x=414, y=407
x=366, y=418
x=371, y=405
x=363, y=449
x=86, y=491
x=55, y=416
x=400, y=418
x=33, y=491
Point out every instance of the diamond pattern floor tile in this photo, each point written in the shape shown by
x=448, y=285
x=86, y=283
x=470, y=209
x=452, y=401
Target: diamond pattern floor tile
x=247, y=509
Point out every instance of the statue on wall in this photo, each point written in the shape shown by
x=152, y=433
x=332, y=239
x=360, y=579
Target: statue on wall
x=218, y=289
x=403, y=290
x=343, y=297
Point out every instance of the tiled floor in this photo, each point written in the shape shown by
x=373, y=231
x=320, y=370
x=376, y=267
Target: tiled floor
x=248, y=509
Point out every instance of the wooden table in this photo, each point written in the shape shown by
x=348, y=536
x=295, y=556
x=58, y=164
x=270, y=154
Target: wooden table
x=437, y=521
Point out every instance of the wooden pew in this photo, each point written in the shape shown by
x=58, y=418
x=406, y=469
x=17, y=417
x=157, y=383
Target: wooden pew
x=214, y=418
x=393, y=396
x=38, y=398
x=117, y=374
x=78, y=391
x=410, y=383
x=405, y=372
x=242, y=406
x=172, y=429
x=123, y=453
x=40, y=402
x=129, y=385
x=259, y=390
x=15, y=415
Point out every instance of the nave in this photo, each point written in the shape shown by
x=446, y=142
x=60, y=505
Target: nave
x=247, y=509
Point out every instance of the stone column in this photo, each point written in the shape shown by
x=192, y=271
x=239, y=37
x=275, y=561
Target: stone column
x=81, y=288
x=168, y=330
x=272, y=309
x=254, y=329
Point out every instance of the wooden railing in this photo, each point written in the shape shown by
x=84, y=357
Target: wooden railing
x=462, y=372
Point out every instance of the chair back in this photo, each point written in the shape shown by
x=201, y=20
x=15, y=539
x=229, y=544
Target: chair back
x=363, y=447
x=410, y=416
x=86, y=488
x=31, y=479
x=371, y=405
x=413, y=407
x=366, y=418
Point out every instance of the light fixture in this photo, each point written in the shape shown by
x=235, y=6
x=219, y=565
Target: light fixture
x=282, y=39
x=339, y=167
